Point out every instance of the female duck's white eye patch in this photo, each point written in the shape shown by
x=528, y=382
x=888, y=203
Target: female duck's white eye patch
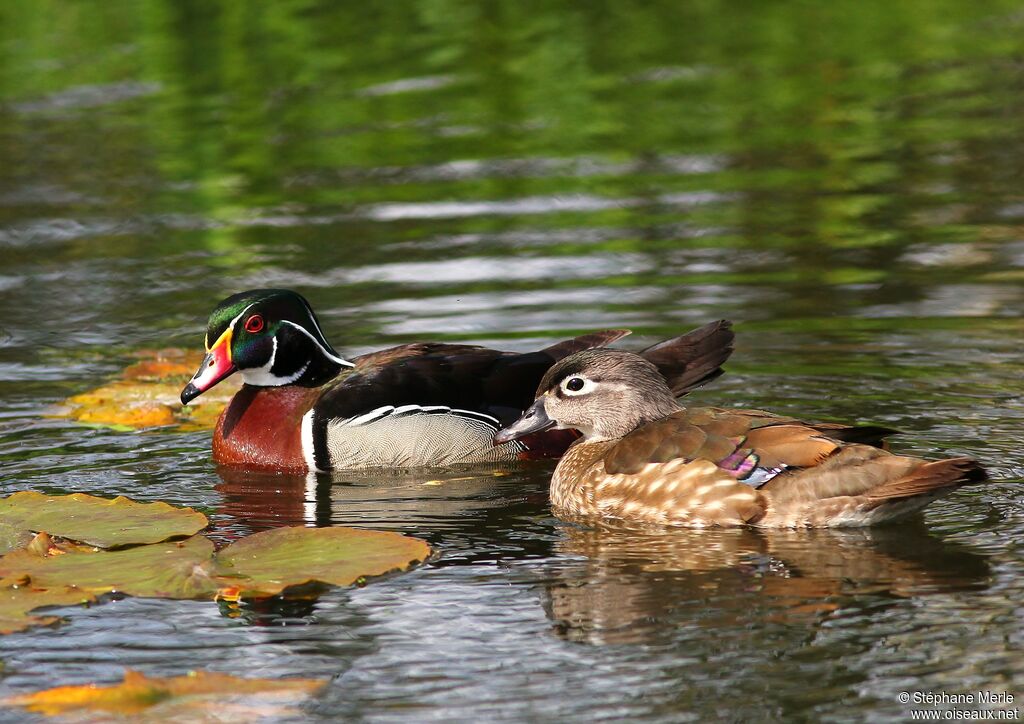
x=577, y=385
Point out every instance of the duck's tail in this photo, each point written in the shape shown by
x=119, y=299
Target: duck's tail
x=693, y=359
x=862, y=489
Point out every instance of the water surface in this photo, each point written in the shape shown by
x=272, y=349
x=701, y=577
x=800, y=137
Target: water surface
x=842, y=180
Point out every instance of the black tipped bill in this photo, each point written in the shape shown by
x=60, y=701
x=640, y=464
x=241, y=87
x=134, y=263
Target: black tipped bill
x=214, y=368
x=533, y=420
x=190, y=393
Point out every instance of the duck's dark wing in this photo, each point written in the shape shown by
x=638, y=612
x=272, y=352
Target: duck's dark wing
x=466, y=377
x=503, y=384
x=437, y=403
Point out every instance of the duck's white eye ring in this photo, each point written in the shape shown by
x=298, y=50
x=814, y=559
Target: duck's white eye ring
x=577, y=385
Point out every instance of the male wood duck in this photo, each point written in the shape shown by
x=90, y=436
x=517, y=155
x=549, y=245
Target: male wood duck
x=304, y=407
x=644, y=458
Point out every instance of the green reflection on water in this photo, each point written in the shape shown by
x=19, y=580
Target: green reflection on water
x=874, y=107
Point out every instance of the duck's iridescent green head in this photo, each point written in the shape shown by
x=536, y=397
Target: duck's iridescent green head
x=270, y=336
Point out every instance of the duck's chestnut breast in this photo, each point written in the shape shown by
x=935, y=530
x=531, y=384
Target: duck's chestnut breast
x=262, y=428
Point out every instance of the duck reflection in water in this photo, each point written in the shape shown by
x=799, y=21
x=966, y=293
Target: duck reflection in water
x=469, y=510
x=470, y=501
x=609, y=584
x=635, y=586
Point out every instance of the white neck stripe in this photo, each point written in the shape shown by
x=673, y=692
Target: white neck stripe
x=328, y=355
x=263, y=377
x=312, y=318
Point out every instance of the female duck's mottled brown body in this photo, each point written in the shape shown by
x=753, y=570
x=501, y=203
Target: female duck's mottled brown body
x=645, y=459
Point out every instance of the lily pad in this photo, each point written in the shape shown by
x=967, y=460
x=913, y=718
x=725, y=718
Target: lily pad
x=262, y=565
x=201, y=692
x=265, y=564
x=162, y=570
x=16, y=603
x=99, y=522
x=13, y=537
x=148, y=395
x=102, y=546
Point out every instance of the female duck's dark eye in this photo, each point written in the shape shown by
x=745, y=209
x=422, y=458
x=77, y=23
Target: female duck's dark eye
x=254, y=324
x=575, y=384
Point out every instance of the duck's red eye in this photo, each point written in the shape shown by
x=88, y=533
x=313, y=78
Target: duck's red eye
x=254, y=324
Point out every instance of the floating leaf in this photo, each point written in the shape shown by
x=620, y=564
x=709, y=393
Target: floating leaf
x=163, y=364
x=202, y=692
x=16, y=601
x=98, y=521
x=148, y=395
x=163, y=570
x=12, y=537
x=266, y=563
x=105, y=546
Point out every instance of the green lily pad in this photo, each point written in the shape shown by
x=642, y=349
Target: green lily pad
x=12, y=537
x=163, y=570
x=47, y=570
x=98, y=521
x=265, y=564
x=16, y=603
x=197, y=696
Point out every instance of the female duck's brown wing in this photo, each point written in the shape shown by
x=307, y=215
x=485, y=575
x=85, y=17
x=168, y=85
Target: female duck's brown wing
x=738, y=440
x=724, y=467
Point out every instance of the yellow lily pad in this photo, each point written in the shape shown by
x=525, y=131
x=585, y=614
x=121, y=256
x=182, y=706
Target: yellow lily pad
x=267, y=563
x=17, y=601
x=148, y=395
x=163, y=570
x=201, y=692
x=100, y=522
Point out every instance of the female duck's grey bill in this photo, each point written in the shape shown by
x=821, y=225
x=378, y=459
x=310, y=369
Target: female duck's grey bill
x=534, y=419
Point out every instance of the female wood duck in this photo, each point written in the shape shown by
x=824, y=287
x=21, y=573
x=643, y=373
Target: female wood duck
x=644, y=458
x=304, y=407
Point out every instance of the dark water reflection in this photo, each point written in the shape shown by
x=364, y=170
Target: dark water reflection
x=638, y=587
x=842, y=179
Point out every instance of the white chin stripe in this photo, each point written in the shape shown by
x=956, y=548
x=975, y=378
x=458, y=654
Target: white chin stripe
x=262, y=377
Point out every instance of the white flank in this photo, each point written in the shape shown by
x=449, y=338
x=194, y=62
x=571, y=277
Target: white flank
x=415, y=436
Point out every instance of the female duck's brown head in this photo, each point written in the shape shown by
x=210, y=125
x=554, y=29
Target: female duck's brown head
x=603, y=393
